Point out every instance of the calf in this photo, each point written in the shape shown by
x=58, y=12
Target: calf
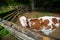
x=45, y=24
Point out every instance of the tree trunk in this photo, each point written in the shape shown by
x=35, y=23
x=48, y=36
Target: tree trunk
x=32, y=5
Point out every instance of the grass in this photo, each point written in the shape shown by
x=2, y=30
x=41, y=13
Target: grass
x=1, y=27
x=9, y=36
x=4, y=34
x=3, y=31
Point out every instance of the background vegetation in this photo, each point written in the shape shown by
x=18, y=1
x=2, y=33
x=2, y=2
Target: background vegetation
x=5, y=35
x=41, y=5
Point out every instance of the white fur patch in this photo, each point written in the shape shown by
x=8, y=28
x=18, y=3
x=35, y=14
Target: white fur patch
x=23, y=21
x=46, y=32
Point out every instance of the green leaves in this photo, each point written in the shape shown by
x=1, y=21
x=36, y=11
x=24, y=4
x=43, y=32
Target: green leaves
x=3, y=32
x=1, y=28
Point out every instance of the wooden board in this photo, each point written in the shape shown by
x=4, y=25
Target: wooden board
x=25, y=33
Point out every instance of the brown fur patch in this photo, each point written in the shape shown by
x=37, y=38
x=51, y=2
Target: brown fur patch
x=59, y=22
x=54, y=20
x=53, y=26
x=41, y=21
x=36, y=25
x=45, y=23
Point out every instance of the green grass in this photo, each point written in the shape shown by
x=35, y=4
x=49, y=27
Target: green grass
x=1, y=27
x=9, y=36
x=4, y=34
x=3, y=31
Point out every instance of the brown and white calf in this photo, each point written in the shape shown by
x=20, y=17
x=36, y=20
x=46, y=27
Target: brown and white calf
x=45, y=24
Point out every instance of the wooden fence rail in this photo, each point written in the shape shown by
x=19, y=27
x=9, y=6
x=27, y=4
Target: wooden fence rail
x=23, y=33
x=20, y=32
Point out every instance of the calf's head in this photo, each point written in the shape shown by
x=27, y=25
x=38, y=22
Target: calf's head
x=23, y=21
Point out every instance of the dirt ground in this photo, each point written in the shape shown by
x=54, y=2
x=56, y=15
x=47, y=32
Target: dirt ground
x=55, y=34
x=56, y=14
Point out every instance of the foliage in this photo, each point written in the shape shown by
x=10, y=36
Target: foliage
x=1, y=27
x=9, y=36
x=3, y=32
x=6, y=9
x=44, y=5
x=3, y=3
x=48, y=5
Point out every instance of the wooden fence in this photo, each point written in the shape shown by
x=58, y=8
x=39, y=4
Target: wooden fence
x=19, y=32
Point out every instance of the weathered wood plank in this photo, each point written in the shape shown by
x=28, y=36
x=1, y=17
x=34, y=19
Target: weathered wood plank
x=23, y=33
x=17, y=33
x=9, y=15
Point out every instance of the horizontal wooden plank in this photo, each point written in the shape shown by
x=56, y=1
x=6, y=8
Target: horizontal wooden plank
x=17, y=33
x=24, y=33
